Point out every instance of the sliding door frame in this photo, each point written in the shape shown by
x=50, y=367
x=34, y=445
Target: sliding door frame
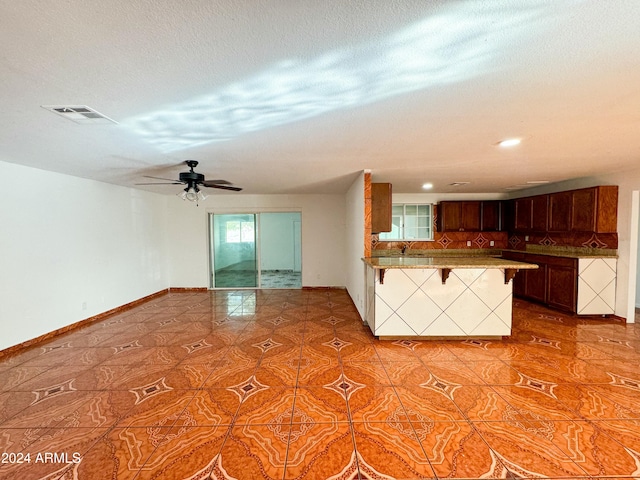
x=245, y=211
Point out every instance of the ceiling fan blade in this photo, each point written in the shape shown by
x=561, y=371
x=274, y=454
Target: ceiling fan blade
x=211, y=183
x=156, y=183
x=223, y=187
x=160, y=178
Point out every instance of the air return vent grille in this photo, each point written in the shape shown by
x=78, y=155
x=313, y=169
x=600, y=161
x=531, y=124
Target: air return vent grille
x=79, y=114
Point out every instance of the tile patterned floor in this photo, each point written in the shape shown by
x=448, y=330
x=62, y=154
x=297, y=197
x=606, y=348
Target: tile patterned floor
x=287, y=384
x=237, y=278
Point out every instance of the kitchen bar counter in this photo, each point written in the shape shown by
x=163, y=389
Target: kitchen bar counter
x=443, y=262
x=440, y=297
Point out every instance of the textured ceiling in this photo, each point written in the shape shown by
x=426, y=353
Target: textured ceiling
x=297, y=97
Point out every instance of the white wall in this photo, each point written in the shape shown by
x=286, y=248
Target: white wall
x=354, y=266
x=323, y=234
x=67, y=241
x=627, y=182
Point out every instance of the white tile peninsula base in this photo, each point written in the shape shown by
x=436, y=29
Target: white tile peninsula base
x=414, y=302
x=597, y=286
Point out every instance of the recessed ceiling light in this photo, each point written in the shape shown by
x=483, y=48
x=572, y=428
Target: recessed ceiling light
x=427, y=186
x=510, y=142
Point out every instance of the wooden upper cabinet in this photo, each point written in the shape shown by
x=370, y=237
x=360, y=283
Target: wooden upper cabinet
x=540, y=213
x=381, y=204
x=509, y=215
x=470, y=215
x=459, y=216
x=560, y=211
x=592, y=209
x=491, y=216
x=595, y=209
x=449, y=216
x=523, y=214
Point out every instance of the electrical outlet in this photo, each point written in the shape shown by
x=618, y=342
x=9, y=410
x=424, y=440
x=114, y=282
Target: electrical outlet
x=492, y=243
x=526, y=238
x=84, y=305
x=468, y=243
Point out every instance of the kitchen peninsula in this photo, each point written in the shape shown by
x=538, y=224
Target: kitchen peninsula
x=438, y=296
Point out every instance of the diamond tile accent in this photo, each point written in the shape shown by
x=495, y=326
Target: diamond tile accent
x=52, y=348
x=477, y=343
x=594, y=242
x=480, y=240
x=547, y=241
x=200, y=344
x=537, y=385
x=408, y=344
x=53, y=391
x=545, y=341
x=514, y=241
x=625, y=382
x=337, y=344
x=267, y=345
x=126, y=346
x=444, y=240
x=331, y=320
x=440, y=386
x=249, y=387
x=150, y=390
x=344, y=386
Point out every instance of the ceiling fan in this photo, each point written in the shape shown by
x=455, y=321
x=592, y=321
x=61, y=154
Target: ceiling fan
x=193, y=182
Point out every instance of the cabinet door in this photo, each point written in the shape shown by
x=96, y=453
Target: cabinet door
x=583, y=210
x=449, y=216
x=562, y=284
x=490, y=216
x=607, y=211
x=560, y=212
x=539, y=213
x=470, y=216
x=522, y=214
x=536, y=282
x=380, y=207
x=509, y=216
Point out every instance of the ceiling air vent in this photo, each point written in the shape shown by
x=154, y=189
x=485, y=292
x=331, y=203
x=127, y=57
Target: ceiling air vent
x=79, y=114
x=458, y=184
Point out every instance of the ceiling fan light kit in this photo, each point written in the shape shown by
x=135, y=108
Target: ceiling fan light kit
x=193, y=181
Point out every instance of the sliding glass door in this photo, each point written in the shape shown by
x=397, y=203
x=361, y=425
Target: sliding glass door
x=234, y=243
x=252, y=250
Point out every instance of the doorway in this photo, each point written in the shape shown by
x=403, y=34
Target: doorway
x=256, y=250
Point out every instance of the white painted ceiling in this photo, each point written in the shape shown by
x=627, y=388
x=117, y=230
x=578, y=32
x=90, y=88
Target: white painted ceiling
x=298, y=96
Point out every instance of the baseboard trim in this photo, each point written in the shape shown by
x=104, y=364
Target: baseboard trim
x=187, y=289
x=82, y=323
x=324, y=288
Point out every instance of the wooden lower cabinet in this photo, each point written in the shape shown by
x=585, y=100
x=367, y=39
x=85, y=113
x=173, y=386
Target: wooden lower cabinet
x=562, y=283
x=536, y=283
x=554, y=283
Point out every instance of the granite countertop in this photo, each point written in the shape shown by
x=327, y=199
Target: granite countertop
x=575, y=253
x=445, y=262
x=567, y=252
